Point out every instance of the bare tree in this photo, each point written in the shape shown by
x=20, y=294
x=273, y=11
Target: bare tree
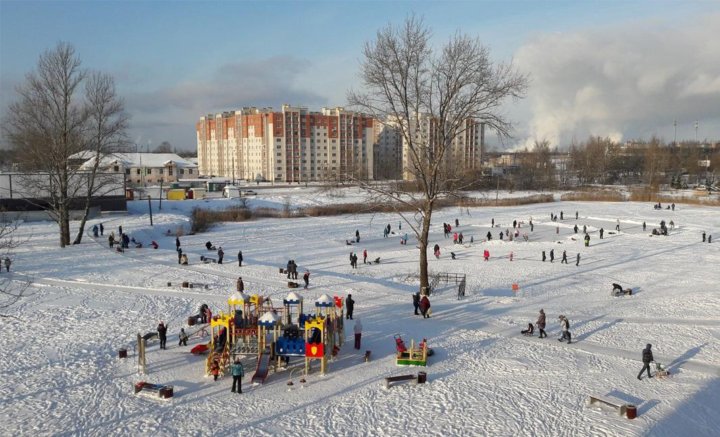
x=53, y=123
x=164, y=147
x=107, y=123
x=432, y=98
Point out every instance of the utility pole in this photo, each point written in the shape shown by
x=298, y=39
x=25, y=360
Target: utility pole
x=696, y=128
x=675, y=137
x=161, y=184
x=150, y=209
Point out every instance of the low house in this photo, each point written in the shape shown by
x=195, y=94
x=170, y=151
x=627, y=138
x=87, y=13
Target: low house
x=147, y=168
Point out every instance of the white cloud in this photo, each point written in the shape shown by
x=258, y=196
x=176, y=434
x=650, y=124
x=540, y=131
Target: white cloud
x=623, y=82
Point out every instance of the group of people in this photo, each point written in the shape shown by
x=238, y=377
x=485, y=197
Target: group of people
x=291, y=269
x=659, y=206
x=541, y=323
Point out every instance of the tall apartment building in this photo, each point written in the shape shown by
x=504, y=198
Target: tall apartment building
x=464, y=154
x=292, y=145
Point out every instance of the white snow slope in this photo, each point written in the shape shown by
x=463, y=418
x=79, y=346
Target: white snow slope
x=61, y=375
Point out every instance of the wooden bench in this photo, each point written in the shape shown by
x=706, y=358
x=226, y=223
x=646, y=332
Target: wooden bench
x=154, y=390
x=400, y=378
x=619, y=405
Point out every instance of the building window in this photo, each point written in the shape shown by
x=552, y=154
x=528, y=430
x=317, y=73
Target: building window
x=127, y=171
x=137, y=170
x=116, y=168
x=170, y=171
x=189, y=171
x=160, y=171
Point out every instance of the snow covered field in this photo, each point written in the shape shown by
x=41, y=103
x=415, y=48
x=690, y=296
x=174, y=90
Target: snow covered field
x=61, y=374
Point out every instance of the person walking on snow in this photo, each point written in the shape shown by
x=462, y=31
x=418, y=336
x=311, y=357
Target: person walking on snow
x=486, y=254
x=357, y=235
x=350, y=305
x=221, y=254
x=617, y=225
x=703, y=236
x=240, y=258
x=552, y=255
x=644, y=226
x=240, y=285
x=543, y=256
x=577, y=260
x=358, y=333
x=183, y=337
x=306, y=278
x=95, y=231
x=647, y=358
x=8, y=261
x=102, y=229
x=177, y=243
x=179, y=252
x=364, y=256
x=565, y=327
x=602, y=231
x=237, y=372
x=540, y=324
x=162, y=334
x=564, y=258
x=416, y=302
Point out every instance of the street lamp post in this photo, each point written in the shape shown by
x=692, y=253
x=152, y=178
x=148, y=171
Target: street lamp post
x=675, y=137
x=696, y=129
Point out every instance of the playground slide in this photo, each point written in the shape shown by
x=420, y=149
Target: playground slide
x=262, y=368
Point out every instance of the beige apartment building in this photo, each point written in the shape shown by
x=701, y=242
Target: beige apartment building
x=291, y=145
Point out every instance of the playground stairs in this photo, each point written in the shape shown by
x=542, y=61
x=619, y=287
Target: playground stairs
x=248, y=347
x=223, y=358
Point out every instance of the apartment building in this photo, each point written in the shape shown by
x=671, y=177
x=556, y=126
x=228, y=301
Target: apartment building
x=291, y=145
x=145, y=168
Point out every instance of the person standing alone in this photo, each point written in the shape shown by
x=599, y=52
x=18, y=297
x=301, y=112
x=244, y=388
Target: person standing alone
x=350, y=305
x=237, y=373
x=541, y=323
x=162, y=334
x=358, y=333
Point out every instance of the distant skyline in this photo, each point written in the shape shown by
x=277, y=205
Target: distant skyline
x=624, y=69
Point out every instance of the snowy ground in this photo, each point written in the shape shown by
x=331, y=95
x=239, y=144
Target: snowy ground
x=61, y=375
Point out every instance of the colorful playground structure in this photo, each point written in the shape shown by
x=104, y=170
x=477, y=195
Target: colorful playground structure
x=414, y=356
x=253, y=327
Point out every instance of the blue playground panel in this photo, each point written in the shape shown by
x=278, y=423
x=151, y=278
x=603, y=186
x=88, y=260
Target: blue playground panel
x=290, y=347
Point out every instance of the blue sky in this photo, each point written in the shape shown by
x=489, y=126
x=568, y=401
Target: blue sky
x=176, y=60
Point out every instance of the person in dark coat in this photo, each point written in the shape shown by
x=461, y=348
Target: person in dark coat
x=587, y=240
x=120, y=230
x=543, y=256
x=306, y=278
x=180, y=254
x=350, y=306
x=357, y=236
x=703, y=236
x=647, y=358
x=290, y=263
x=177, y=243
x=552, y=255
x=644, y=226
x=221, y=254
x=489, y=236
x=416, y=302
x=208, y=245
x=602, y=231
x=102, y=229
x=111, y=240
x=240, y=258
x=562, y=216
x=575, y=229
x=95, y=231
x=424, y=306
x=240, y=285
x=577, y=260
x=564, y=258
x=541, y=324
x=162, y=334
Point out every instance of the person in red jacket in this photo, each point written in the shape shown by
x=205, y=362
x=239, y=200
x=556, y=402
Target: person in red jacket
x=486, y=254
x=424, y=306
x=364, y=256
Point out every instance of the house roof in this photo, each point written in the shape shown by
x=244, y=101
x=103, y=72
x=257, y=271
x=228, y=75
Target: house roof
x=154, y=160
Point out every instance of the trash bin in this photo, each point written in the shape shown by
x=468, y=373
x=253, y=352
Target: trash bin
x=166, y=392
x=122, y=353
x=192, y=320
x=631, y=411
x=422, y=377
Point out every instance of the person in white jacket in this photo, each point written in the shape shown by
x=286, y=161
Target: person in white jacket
x=358, y=333
x=565, y=327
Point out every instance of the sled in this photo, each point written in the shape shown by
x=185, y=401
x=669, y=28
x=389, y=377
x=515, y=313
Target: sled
x=661, y=372
x=200, y=349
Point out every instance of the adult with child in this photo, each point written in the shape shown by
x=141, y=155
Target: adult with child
x=529, y=330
